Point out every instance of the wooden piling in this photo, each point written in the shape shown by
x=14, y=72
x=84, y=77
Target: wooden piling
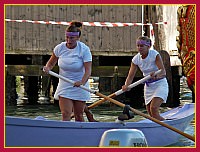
x=30, y=44
x=31, y=89
x=10, y=93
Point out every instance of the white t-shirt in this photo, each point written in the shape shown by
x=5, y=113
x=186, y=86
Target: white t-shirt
x=71, y=66
x=155, y=89
x=148, y=64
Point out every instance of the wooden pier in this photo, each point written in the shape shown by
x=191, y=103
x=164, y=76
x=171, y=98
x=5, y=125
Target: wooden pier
x=29, y=45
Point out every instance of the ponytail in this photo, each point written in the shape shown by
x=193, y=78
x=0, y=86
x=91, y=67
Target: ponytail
x=75, y=26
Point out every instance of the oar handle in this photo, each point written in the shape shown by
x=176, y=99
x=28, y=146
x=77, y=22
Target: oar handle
x=137, y=83
x=70, y=81
x=92, y=91
x=120, y=91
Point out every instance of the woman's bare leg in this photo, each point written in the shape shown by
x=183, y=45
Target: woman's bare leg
x=66, y=106
x=153, y=108
x=79, y=107
x=89, y=115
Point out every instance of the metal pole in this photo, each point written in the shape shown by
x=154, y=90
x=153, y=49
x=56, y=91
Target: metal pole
x=142, y=20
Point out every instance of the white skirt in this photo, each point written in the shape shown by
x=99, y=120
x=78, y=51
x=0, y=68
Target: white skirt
x=67, y=90
x=158, y=88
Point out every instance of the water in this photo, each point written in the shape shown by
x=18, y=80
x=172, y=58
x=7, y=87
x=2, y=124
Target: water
x=103, y=113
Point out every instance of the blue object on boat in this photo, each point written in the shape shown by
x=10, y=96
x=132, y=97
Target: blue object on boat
x=40, y=118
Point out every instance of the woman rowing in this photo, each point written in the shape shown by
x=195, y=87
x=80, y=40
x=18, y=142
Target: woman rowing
x=156, y=89
x=74, y=60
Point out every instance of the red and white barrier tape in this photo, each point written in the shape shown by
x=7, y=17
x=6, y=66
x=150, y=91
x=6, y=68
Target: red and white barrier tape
x=100, y=24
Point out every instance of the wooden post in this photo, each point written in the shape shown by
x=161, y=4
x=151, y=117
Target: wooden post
x=176, y=86
x=31, y=89
x=166, y=61
x=45, y=90
x=11, y=94
x=114, y=81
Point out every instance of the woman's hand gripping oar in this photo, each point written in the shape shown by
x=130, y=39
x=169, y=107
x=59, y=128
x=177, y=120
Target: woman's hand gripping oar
x=123, y=105
x=120, y=91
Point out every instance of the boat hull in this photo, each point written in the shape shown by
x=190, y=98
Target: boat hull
x=23, y=132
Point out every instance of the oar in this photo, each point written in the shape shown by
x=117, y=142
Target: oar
x=123, y=105
x=120, y=91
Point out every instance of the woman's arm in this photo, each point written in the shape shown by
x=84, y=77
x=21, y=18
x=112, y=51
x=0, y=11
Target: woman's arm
x=51, y=63
x=88, y=69
x=160, y=65
x=130, y=76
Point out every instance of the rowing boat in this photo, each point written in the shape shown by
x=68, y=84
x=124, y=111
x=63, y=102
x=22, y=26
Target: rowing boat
x=23, y=132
